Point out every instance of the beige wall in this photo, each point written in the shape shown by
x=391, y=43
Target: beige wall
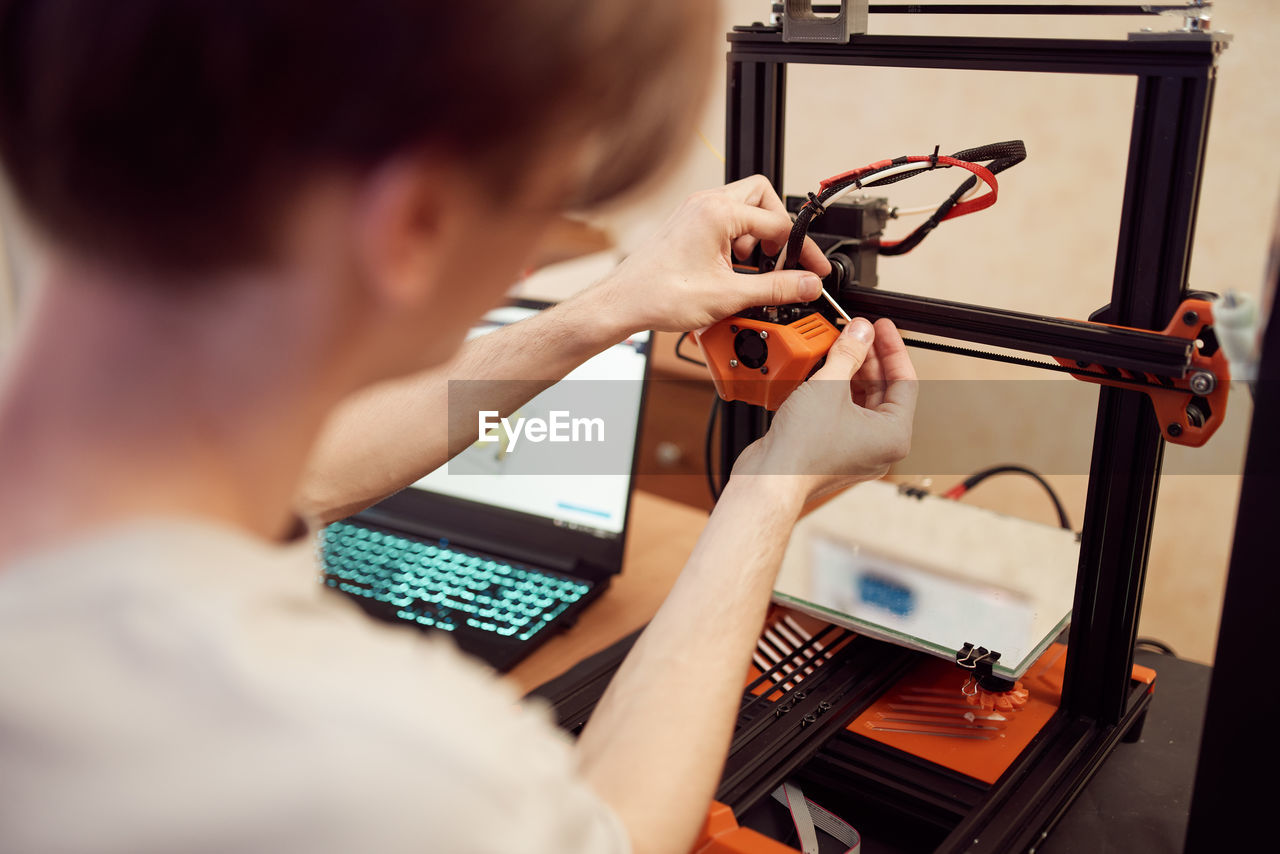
x=1048, y=247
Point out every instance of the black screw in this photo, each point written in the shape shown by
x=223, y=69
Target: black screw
x=733, y=328
x=809, y=719
x=1175, y=429
x=798, y=696
x=765, y=369
x=824, y=706
x=1190, y=318
x=1081, y=364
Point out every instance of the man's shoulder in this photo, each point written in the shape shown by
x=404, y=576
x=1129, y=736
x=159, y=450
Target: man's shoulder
x=171, y=671
x=148, y=600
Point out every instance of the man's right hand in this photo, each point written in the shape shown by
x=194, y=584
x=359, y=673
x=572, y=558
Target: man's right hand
x=848, y=423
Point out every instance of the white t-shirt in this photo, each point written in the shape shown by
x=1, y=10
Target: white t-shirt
x=174, y=685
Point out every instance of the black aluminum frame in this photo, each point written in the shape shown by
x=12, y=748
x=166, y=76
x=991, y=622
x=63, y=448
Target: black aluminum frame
x=1175, y=82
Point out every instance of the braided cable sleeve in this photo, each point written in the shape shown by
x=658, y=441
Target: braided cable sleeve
x=1014, y=149
x=912, y=240
x=998, y=155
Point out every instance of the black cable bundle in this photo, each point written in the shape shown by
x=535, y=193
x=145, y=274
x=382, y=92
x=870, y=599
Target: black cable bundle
x=999, y=156
x=1002, y=155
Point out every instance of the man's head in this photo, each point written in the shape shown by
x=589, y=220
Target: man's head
x=423, y=144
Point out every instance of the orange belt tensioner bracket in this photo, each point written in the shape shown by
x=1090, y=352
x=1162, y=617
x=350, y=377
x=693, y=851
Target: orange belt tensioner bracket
x=761, y=361
x=1191, y=407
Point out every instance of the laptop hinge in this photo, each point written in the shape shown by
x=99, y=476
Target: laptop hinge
x=563, y=563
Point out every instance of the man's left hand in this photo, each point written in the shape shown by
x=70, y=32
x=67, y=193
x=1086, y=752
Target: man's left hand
x=682, y=278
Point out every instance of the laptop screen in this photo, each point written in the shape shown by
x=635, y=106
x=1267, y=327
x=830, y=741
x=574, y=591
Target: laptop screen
x=571, y=488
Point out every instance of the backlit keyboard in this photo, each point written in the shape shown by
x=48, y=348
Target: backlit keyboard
x=439, y=586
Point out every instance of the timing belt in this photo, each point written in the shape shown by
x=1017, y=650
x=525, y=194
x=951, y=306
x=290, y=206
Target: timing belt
x=1115, y=377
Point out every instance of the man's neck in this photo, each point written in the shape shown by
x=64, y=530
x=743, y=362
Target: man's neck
x=114, y=408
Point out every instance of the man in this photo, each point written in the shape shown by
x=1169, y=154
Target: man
x=266, y=228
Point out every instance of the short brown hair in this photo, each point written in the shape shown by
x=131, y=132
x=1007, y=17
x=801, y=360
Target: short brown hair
x=171, y=133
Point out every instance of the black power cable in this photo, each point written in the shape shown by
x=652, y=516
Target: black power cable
x=1157, y=645
x=711, y=420
x=680, y=355
x=978, y=477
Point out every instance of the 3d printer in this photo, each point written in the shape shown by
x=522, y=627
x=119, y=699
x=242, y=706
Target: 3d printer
x=806, y=710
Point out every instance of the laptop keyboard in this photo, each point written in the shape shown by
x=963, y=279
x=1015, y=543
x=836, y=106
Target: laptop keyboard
x=439, y=586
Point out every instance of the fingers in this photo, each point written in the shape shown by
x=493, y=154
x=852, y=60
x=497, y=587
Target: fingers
x=899, y=373
x=777, y=288
x=848, y=352
x=811, y=258
x=754, y=225
x=757, y=192
x=892, y=352
x=868, y=383
x=772, y=227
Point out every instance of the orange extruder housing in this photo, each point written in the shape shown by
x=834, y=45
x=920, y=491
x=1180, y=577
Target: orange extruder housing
x=762, y=362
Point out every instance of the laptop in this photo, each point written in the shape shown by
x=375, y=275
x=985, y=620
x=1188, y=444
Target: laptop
x=506, y=544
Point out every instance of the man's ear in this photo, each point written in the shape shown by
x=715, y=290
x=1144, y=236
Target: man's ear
x=403, y=217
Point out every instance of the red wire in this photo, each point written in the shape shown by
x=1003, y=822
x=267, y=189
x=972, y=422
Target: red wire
x=983, y=202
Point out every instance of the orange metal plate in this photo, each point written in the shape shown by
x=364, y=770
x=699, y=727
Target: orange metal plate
x=982, y=760
x=979, y=759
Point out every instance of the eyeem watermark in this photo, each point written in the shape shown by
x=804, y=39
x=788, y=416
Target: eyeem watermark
x=559, y=426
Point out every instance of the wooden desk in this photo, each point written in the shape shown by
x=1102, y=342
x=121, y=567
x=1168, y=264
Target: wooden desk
x=661, y=536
